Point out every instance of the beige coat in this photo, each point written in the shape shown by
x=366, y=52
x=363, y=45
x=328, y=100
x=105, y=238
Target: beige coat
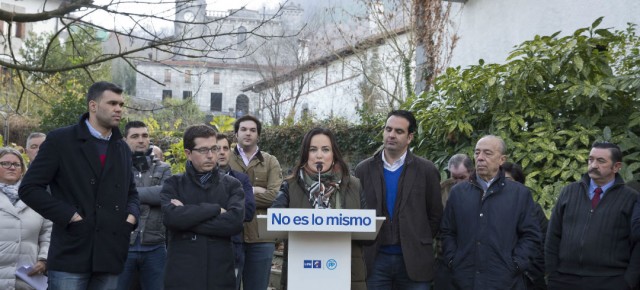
x=24, y=239
x=264, y=171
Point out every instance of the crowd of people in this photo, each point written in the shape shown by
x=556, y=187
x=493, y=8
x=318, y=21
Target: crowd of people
x=99, y=209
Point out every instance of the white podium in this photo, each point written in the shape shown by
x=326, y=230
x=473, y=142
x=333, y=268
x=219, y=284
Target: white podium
x=319, y=255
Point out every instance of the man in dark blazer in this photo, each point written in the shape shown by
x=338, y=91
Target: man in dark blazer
x=405, y=189
x=93, y=202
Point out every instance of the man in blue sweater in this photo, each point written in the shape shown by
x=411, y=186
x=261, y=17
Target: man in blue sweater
x=588, y=242
x=405, y=189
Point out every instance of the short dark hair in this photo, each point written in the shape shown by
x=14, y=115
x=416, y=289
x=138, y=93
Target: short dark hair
x=96, y=90
x=515, y=170
x=458, y=159
x=616, y=153
x=221, y=136
x=413, y=124
x=306, y=144
x=196, y=131
x=133, y=124
x=236, y=125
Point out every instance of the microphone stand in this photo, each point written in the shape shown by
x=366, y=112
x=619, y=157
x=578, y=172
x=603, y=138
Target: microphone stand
x=320, y=187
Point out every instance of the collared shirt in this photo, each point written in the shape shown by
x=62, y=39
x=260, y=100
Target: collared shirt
x=95, y=132
x=396, y=164
x=246, y=159
x=605, y=188
x=485, y=184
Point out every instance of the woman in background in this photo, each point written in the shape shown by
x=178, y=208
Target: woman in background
x=320, y=154
x=24, y=234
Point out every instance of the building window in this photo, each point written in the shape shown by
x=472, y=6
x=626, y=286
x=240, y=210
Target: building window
x=167, y=75
x=187, y=76
x=20, y=30
x=216, y=78
x=216, y=102
x=166, y=94
x=242, y=37
x=186, y=95
x=242, y=106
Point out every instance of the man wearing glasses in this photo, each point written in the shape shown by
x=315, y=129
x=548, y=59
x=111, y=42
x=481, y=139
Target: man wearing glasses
x=202, y=209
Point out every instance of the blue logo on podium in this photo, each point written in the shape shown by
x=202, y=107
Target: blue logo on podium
x=332, y=264
x=307, y=263
x=317, y=264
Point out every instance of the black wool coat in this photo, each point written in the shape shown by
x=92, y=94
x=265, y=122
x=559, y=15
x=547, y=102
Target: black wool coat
x=200, y=252
x=68, y=162
x=489, y=238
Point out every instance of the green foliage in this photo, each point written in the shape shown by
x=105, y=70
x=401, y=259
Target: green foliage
x=356, y=142
x=56, y=52
x=176, y=157
x=57, y=99
x=180, y=114
x=67, y=109
x=552, y=98
x=223, y=123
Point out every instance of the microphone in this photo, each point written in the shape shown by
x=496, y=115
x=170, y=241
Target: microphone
x=319, y=199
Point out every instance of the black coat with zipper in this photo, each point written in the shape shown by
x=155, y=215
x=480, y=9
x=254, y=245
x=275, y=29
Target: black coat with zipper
x=593, y=242
x=489, y=237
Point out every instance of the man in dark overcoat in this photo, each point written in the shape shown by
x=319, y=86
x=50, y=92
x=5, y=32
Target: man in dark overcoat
x=93, y=202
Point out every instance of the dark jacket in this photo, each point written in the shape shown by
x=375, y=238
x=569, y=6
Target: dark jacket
x=593, y=242
x=68, y=162
x=488, y=242
x=635, y=221
x=417, y=213
x=293, y=195
x=249, y=200
x=534, y=276
x=149, y=183
x=200, y=252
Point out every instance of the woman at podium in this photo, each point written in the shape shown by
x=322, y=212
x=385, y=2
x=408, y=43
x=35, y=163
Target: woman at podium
x=321, y=179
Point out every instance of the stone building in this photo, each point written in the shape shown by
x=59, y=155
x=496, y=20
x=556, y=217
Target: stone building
x=212, y=59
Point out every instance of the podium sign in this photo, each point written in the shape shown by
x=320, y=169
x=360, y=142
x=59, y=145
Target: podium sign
x=321, y=220
x=319, y=255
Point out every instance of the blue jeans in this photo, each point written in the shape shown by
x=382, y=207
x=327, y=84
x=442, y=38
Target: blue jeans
x=389, y=273
x=149, y=265
x=82, y=281
x=256, y=268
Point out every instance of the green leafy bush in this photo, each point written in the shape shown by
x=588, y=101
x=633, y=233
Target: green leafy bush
x=552, y=98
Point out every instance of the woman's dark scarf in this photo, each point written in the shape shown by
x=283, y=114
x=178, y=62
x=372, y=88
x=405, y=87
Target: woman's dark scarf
x=330, y=182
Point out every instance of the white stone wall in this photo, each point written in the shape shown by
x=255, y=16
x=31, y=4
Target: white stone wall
x=201, y=86
x=334, y=88
x=489, y=29
x=26, y=6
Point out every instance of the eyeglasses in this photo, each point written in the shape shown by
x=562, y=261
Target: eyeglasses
x=8, y=164
x=205, y=150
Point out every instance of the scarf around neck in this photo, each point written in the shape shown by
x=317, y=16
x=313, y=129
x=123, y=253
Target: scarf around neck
x=11, y=191
x=330, y=183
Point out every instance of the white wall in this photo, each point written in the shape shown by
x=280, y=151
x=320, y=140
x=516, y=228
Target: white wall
x=26, y=6
x=489, y=29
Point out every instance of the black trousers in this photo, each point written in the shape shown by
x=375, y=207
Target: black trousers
x=560, y=281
